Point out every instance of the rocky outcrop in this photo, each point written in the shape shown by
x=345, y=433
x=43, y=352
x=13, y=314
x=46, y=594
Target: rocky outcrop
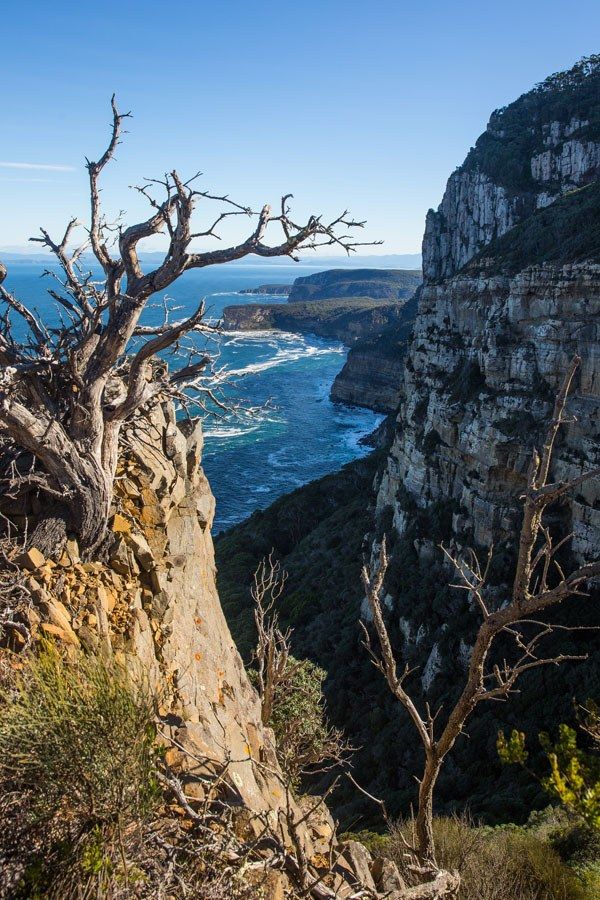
x=473, y=211
x=341, y=320
x=153, y=605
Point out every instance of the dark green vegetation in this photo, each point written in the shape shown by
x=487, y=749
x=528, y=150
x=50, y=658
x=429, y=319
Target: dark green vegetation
x=568, y=231
x=379, y=284
x=318, y=532
x=340, y=304
x=344, y=319
x=516, y=132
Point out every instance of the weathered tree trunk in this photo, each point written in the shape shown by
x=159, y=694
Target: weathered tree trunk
x=90, y=510
x=54, y=401
x=424, y=819
x=84, y=512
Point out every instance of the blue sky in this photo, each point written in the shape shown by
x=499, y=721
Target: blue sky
x=366, y=105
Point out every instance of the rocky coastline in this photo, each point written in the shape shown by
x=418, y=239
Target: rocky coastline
x=329, y=305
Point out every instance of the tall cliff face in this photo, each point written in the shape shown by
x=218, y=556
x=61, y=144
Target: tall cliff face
x=496, y=327
x=533, y=151
x=487, y=357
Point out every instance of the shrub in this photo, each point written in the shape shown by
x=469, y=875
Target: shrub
x=305, y=741
x=574, y=777
x=496, y=864
x=76, y=765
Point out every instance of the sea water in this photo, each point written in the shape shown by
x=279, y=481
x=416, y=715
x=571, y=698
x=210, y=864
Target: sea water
x=295, y=433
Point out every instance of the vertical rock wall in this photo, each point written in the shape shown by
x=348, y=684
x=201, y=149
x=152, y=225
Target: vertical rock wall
x=489, y=351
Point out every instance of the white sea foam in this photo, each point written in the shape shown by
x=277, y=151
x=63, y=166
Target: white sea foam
x=228, y=431
x=282, y=357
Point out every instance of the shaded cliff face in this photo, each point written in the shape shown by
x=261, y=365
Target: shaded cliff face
x=535, y=150
x=372, y=373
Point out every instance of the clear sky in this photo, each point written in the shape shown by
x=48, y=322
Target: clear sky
x=362, y=104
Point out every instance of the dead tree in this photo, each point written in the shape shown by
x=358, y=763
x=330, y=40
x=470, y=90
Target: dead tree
x=306, y=743
x=273, y=645
x=65, y=391
x=539, y=583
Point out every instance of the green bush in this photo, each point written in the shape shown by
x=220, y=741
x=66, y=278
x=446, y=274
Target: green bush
x=574, y=776
x=77, y=765
x=304, y=739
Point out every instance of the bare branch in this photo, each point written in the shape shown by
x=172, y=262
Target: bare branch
x=539, y=584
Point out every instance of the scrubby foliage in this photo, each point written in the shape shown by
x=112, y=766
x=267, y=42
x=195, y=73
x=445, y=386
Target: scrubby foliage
x=391, y=342
x=549, y=858
x=344, y=319
x=89, y=805
x=76, y=763
x=574, y=773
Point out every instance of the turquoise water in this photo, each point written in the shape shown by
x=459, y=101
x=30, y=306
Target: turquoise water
x=297, y=434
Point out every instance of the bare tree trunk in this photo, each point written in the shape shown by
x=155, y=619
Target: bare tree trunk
x=84, y=512
x=424, y=819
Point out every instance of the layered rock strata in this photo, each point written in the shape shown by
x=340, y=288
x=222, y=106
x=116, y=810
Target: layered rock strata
x=492, y=340
x=487, y=357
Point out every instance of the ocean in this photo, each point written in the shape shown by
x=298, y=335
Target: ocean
x=296, y=434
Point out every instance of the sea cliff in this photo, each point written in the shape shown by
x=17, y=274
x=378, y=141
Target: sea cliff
x=511, y=294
